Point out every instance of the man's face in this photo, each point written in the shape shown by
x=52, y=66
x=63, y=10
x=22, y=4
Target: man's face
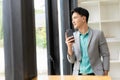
x=77, y=20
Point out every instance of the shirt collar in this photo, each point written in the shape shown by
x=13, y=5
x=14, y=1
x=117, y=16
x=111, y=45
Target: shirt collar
x=85, y=33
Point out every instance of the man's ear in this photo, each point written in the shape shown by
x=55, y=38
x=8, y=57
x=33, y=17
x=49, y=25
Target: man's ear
x=84, y=19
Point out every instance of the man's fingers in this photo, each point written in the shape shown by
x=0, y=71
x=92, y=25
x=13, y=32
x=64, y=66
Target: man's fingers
x=69, y=38
x=70, y=41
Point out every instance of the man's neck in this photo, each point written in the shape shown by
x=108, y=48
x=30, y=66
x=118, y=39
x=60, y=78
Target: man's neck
x=83, y=29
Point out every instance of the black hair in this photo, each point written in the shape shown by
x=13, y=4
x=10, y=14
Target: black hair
x=82, y=12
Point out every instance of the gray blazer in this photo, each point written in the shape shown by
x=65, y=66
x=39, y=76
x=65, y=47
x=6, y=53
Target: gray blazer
x=97, y=51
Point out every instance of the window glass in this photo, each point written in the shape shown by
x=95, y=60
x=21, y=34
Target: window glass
x=2, y=64
x=41, y=45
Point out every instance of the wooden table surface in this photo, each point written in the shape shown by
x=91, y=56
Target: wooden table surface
x=73, y=78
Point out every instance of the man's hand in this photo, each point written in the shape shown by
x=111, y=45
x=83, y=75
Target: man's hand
x=69, y=41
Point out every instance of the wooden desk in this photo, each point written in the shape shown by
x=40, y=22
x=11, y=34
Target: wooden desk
x=79, y=78
x=73, y=78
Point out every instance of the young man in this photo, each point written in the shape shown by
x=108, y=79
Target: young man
x=87, y=47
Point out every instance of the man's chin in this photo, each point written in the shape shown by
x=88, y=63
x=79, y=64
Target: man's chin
x=75, y=27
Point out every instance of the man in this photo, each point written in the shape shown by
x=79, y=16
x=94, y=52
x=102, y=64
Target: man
x=87, y=48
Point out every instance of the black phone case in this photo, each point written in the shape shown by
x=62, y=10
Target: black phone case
x=69, y=32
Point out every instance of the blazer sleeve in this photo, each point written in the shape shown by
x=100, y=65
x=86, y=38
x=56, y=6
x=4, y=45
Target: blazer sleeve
x=72, y=58
x=104, y=51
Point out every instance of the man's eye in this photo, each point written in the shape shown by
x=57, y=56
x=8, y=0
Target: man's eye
x=75, y=18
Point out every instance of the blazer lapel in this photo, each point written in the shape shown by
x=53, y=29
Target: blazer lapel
x=90, y=36
x=78, y=40
x=78, y=45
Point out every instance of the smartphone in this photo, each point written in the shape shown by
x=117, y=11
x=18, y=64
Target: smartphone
x=69, y=32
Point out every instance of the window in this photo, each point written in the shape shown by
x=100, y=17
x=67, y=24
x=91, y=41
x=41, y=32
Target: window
x=41, y=45
x=2, y=65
